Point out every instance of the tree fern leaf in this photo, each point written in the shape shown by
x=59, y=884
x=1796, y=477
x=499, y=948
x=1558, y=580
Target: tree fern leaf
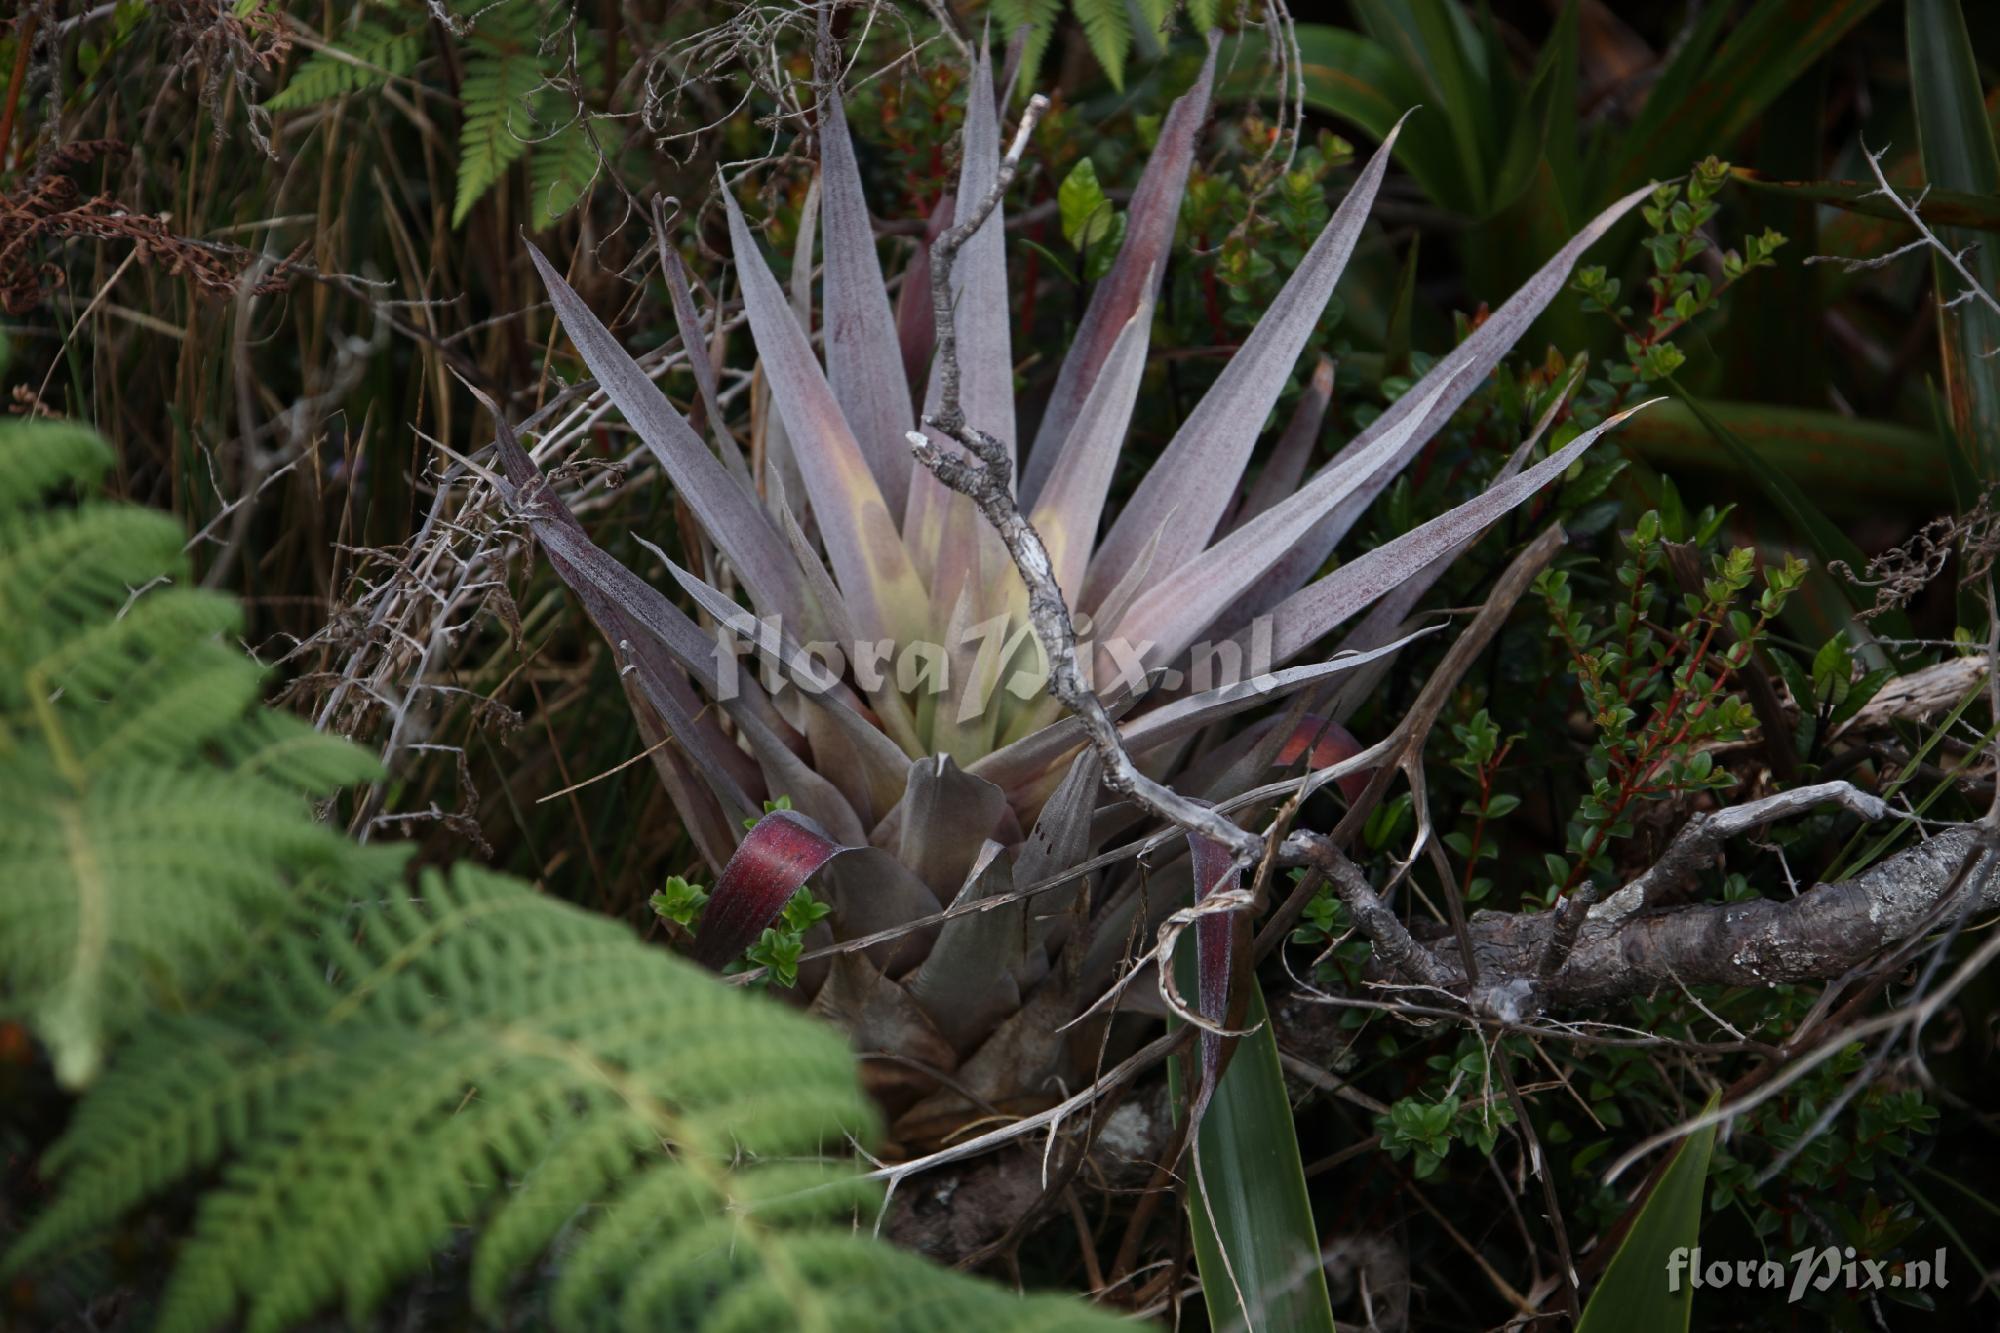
x=97, y=658
x=1108, y=29
x=174, y=710
x=499, y=97
x=66, y=567
x=372, y=56
x=1205, y=14
x=287, y=750
x=560, y=172
x=363, y=1074
x=1040, y=17
x=419, y=1065
x=38, y=456
x=138, y=863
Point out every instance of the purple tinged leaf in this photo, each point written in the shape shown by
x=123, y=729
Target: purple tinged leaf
x=776, y=858
x=641, y=621
x=1016, y=764
x=1178, y=607
x=1112, y=608
x=944, y=528
x=1185, y=716
x=945, y=816
x=1219, y=937
x=966, y=984
x=1388, y=617
x=883, y=766
x=981, y=301
x=700, y=811
x=874, y=573
x=860, y=334
x=1134, y=278
x=860, y=999
x=1307, y=614
x=688, y=321
x=916, y=321
x=728, y=513
x=634, y=622
x=1294, y=449
x=1067, y=512
x=1467, y=367
x=1059, y=841
x=872, y=891
x=1195, y=478
x=891, y=709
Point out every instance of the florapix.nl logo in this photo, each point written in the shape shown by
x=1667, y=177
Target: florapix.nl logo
x=1808, y=1270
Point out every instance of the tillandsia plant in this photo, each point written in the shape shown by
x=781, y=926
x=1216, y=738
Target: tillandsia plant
x=956, y=747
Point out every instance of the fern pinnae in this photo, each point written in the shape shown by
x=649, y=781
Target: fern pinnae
x=503, y=77
x=1108, y=30
x=375, y=54
x=43, y=455
x=364, y=1072
x=288, y=750
x=561, y=169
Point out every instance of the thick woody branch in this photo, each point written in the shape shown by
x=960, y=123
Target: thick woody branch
x=1702, y=837
x=1824, y=932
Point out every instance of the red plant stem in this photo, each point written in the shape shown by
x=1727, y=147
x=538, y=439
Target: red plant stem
x=24, y=42
x=1486, y=772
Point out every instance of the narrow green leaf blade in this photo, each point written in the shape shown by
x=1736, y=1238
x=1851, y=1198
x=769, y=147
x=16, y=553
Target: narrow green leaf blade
x=1357, y=79
x=1955, y=208
x=1707, y=97
x=1255, y=1243
x=1845, y=461
x=1635, y=1295
x=1829, y=542
x=1958, y=154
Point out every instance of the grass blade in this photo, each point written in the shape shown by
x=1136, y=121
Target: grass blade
x=1942, y=208
x=1826, y=538
x=1356, y=78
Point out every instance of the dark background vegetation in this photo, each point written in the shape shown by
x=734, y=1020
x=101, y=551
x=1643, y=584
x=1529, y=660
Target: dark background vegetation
x=266, y=308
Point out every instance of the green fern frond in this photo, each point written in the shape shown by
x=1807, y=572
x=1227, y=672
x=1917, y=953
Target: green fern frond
x=39, y=456
x=143, y=836
x=484, y=1054
x=1108, y=29
x=499, y=98
x=1204, y=14
x=361, y=1075
x=1040, y=16
x=560, y=171
x=375, y=54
